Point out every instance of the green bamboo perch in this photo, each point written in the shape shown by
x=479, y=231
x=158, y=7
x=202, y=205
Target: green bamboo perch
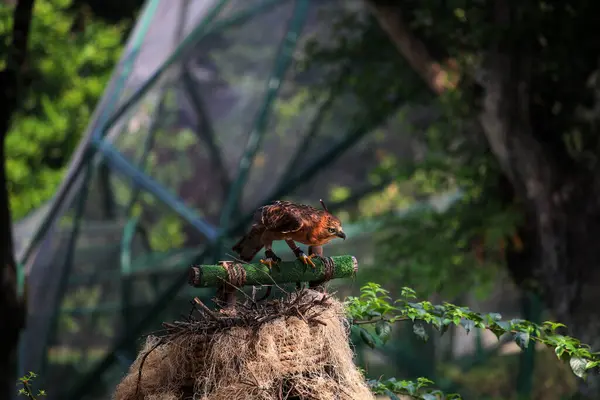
x=238, y=274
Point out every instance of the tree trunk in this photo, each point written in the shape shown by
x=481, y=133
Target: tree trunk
x=12, y=311
x=560, y=199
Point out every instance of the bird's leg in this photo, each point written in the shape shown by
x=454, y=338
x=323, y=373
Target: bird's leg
x=271, y=258
x=315, y=251
x=298, y=253
x=306, y=260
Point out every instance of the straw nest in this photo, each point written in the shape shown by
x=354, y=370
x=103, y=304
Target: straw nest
x=294, y=348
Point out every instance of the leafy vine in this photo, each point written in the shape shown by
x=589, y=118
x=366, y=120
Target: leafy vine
x=374, y=307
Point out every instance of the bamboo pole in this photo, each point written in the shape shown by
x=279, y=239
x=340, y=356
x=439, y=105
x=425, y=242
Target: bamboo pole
x=238, y=274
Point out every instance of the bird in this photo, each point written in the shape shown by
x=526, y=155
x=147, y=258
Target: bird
x=291, y=222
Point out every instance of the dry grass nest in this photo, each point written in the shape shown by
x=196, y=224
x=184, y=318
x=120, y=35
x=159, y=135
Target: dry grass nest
x=293, y=348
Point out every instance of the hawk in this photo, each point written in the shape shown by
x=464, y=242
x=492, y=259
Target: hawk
x=284, y=220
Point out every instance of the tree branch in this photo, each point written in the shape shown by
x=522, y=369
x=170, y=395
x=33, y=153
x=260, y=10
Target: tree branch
x=504, y=76
x=390, y=18
x=506, y=99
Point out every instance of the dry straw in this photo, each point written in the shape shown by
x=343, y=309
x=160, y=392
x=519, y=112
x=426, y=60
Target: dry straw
x=294, y=348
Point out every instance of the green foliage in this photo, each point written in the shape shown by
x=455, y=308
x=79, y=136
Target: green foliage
x=70, y=60
x=374, y=307
x=427, y=249
x=27, y=390
x=420, y=389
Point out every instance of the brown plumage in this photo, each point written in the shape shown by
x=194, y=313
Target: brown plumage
x=284, y=220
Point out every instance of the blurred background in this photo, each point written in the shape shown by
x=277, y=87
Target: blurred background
x=150, y=131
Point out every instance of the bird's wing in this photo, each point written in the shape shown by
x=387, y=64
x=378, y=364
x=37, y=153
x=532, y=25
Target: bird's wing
x=282, y=216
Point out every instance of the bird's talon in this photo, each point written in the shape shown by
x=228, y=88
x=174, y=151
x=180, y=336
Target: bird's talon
x=270, y=263
x=307, y=260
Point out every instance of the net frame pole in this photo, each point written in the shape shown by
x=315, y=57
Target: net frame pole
x=283, y=60
x=177, y=55
x=66, y=269
x=204, y=131
x=132, y=224
x=82, y=156
x=122, y=166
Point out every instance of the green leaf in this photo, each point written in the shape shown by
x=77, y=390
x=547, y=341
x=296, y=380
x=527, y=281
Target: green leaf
x=522, y=339
x=504, y=325
x=467, y=324
x=408, y=293
x=391, y=394
x=367, y=338
x=578, y=366
x=443, y=329
x=494, y=316
x=561, y=352
x=371, y=340
x=422, y=382
x=496, y=331
x=383, y=330
x=592, y=364
x=419, y=330
x=552, y=326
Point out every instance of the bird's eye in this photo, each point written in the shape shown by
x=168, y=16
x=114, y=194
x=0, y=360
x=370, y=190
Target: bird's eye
x=331, y=230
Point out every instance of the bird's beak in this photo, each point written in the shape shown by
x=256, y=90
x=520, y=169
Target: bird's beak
x=341, y=234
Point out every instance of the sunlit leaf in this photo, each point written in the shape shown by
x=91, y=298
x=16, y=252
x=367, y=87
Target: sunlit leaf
x=383, y=330
x=419, y=330
x=578, y=366
x=522, y=339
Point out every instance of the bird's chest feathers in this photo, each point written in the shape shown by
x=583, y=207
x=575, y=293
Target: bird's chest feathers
x=309, y=237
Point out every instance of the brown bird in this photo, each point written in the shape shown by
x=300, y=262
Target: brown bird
x=284, y=220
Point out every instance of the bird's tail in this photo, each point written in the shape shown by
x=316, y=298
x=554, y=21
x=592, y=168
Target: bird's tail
x=249, y=245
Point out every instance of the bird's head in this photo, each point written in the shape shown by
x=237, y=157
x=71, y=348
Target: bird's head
x=333, y=226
